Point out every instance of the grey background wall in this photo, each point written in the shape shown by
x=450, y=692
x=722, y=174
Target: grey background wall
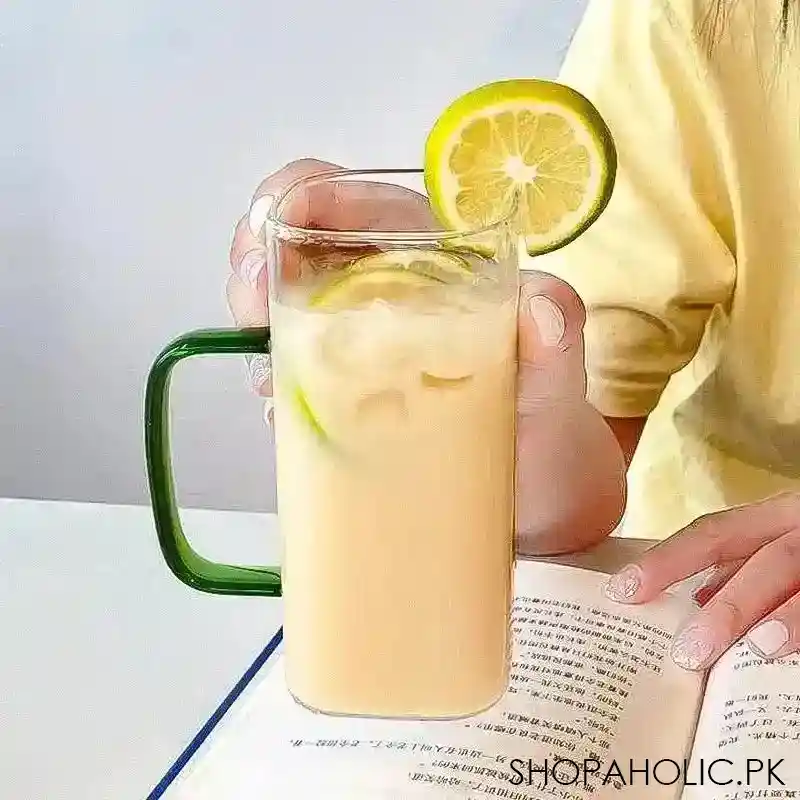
x=131, y=138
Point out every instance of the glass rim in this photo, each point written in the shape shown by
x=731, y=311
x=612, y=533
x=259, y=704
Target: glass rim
x=338, y=235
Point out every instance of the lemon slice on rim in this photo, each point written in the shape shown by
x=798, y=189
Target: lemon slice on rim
x=539, y=141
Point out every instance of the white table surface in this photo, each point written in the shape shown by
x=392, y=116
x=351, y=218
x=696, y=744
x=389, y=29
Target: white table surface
x=108, y=664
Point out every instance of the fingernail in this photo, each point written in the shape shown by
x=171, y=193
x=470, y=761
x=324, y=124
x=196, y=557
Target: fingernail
x=768, y=637
x=259, y=211
x=251, y=266
x=549, y=319
x=624, y=584
x=260, y=369
x=692, y=647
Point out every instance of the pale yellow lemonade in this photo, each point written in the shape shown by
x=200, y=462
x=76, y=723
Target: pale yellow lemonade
x=394, y=421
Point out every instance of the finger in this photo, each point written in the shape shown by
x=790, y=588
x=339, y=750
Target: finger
x=276, y=184
x=346, y=206
x=259, y=368
x=551, y=352
x=717, y=538
x=248, y=259
x=245, y=307
x=331, y=205
x=562, y=441
x=248, y=254
x=768, y=578
x=562, y=327
x=778, y=634
x=358, y=205
x=561, y=450
x=247, y=311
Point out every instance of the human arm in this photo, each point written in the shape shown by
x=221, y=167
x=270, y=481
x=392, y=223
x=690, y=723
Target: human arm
x=661, y=258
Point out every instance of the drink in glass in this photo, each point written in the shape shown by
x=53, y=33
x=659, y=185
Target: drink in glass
x=394, y=384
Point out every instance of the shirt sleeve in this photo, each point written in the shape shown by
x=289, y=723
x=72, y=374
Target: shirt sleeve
x=660, y=258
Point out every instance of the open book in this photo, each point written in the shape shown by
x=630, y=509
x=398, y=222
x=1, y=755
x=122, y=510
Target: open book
x=595, y=708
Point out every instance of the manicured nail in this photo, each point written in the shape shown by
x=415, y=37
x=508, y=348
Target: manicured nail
x=251, y=266
x=692, y=647
x=549, y=319
x=260, y=369
x=624, y=584
x=768, y=637
x=259, y=211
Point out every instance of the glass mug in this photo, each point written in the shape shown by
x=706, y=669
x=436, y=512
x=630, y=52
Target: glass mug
x=394, y=361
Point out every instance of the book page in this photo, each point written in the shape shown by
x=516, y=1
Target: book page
x=594, y=700
x=748, y=734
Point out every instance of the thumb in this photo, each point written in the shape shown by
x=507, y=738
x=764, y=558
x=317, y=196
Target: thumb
x=570, y=470
x=550, y=343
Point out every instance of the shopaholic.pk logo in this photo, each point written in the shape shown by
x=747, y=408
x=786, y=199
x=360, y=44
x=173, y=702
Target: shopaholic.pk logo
x=591, y=773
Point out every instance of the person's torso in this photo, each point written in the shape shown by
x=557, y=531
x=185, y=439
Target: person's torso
x=727, y=430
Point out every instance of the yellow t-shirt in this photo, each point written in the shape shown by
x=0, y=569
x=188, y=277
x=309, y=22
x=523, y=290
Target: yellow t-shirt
x=691, y=277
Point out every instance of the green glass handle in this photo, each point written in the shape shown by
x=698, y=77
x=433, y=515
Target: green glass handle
x=186, y=564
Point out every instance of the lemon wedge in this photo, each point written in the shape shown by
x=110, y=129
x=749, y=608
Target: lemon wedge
x=536, y=142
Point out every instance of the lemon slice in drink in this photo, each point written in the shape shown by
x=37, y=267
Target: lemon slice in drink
x=297, y=400
x=394, y=276
x=540, y=141
x=430, y=263
x=302, y=406
x=354, y=289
